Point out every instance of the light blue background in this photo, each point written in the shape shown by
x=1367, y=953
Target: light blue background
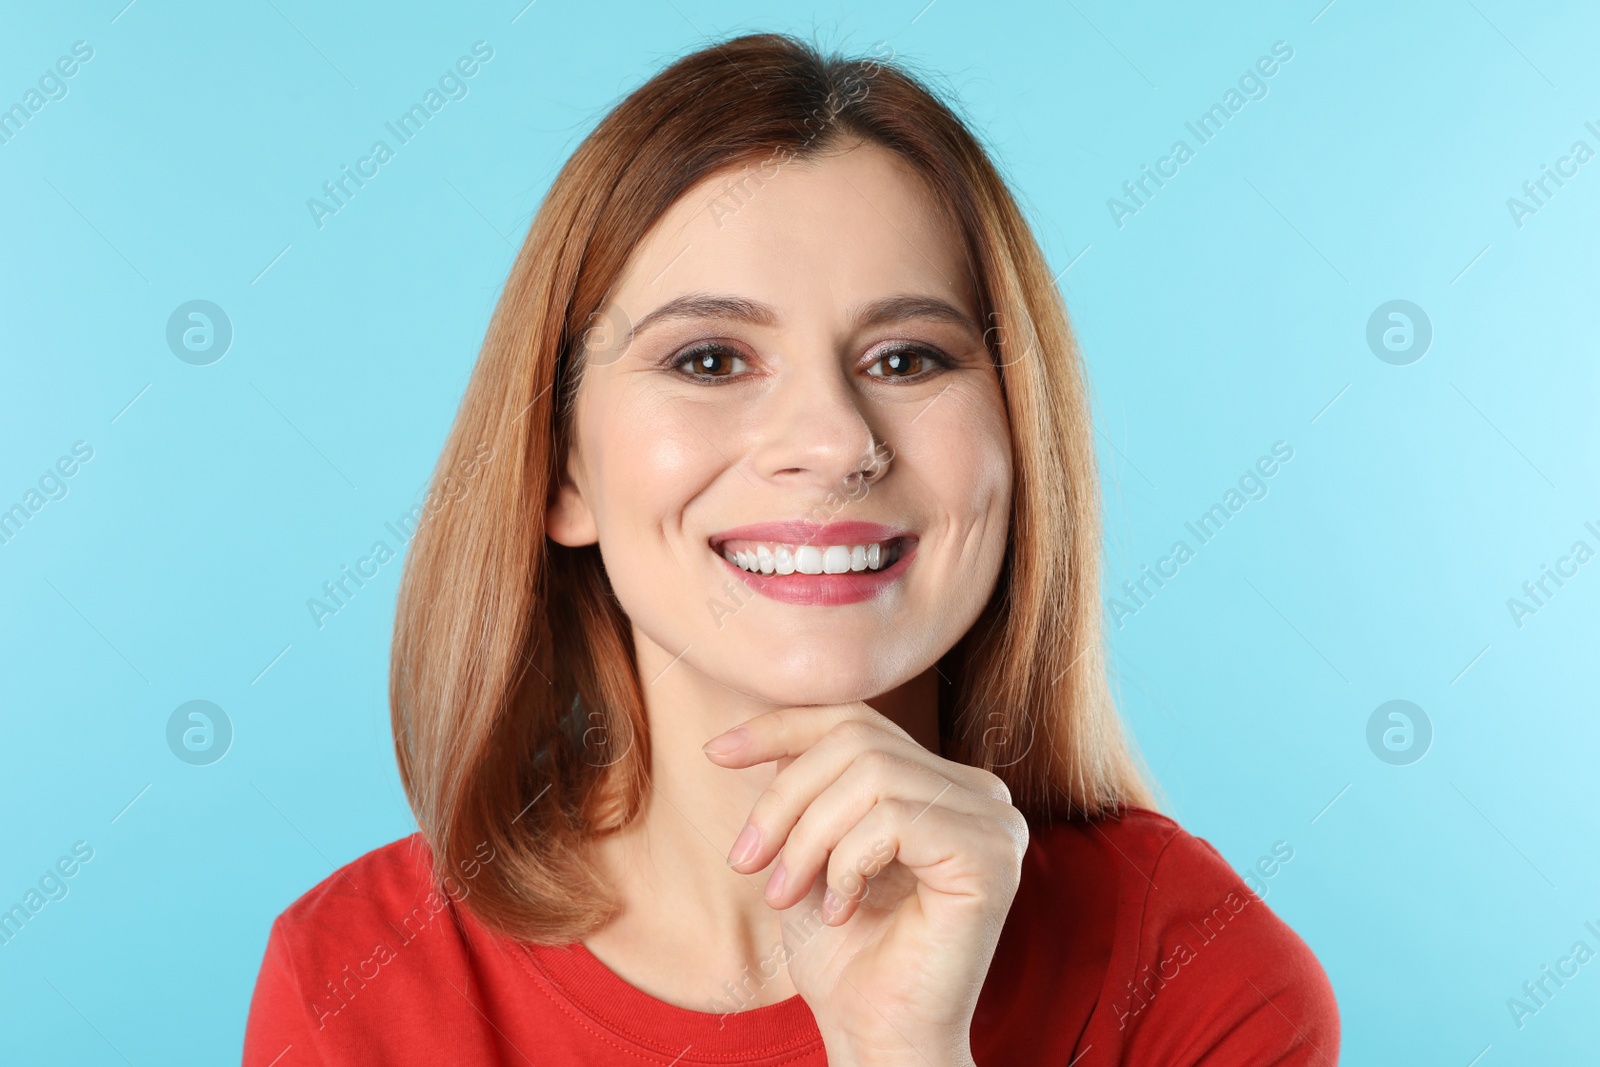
x=1228, y=314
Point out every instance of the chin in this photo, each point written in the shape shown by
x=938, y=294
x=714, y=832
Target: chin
x=818, y=675
x=823, y=680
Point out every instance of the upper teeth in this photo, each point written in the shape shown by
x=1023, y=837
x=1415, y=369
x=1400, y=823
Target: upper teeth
x=808, y=559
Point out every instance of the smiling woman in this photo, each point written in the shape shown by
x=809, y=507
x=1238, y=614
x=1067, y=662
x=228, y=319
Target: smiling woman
x=878, y=811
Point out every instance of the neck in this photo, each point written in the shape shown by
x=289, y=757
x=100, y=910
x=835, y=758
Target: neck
x=690, y=923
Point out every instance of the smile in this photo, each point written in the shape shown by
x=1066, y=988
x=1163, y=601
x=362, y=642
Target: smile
x=766, y=558
x=817, y=564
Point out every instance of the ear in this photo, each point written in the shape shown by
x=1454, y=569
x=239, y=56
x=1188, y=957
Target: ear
x=567, y=518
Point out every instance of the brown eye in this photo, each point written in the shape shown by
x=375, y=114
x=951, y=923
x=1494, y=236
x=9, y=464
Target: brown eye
x=901, y=363
x=710, y=362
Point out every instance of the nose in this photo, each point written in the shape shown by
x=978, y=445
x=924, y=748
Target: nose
x=814, y=431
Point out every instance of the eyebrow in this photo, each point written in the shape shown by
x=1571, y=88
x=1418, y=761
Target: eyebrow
x=739, y=309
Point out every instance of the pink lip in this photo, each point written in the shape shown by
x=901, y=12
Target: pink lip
x=820, y=590
x=803, y=532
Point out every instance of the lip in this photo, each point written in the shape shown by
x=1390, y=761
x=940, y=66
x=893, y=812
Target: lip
x=820, y=590
x=805, y=532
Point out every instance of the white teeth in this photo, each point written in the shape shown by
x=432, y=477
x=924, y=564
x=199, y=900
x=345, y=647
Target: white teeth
x=811, y=559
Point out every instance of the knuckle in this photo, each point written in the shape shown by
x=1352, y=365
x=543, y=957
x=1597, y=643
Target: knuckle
x=843, y=880
x=802, y=846
x=876, y=762
x=1017, y=833
x=793, y=854
x=839, y=868
x=768, y=803
x=851, y=732
x=1002, y=792
x=904, y=811
x=992, y=785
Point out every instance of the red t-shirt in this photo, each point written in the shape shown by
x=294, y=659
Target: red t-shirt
x=1130, y=941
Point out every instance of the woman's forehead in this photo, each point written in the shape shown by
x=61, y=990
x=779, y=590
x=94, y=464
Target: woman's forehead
x=840, y=229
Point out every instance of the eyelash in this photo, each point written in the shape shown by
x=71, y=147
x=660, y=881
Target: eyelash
x=682, y=360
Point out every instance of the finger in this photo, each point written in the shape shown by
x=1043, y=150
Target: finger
x=801, y=779
x=799, y=783
x=874, y=778
x=789, y=732
x=955, y=853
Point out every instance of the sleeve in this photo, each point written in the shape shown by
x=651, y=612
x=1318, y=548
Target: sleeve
x=280, y=1031
x=1220, y=980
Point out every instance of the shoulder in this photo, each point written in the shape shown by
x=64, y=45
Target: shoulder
x=1107, y=866
x=1136, y=836
x=340, y=919
x=391, y=896
x=1196, y=966
x=375, y=887
x=344, y=934
x=355, y=957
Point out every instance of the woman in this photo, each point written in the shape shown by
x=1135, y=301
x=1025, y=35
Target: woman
x=747, y=679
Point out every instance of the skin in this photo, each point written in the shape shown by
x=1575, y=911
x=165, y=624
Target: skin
x=794, y=745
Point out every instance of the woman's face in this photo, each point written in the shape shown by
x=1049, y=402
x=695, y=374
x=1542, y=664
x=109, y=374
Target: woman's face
x=798, y=465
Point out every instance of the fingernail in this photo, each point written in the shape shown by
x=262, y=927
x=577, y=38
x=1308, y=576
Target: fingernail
x=727, y=744
x=830, y=902
x=744, y=846
x=775, y=883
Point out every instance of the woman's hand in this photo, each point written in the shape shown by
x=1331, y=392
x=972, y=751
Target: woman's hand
x=895, y=868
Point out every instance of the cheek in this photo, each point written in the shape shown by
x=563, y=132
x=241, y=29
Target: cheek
x=960, y=447
x=649, y=458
